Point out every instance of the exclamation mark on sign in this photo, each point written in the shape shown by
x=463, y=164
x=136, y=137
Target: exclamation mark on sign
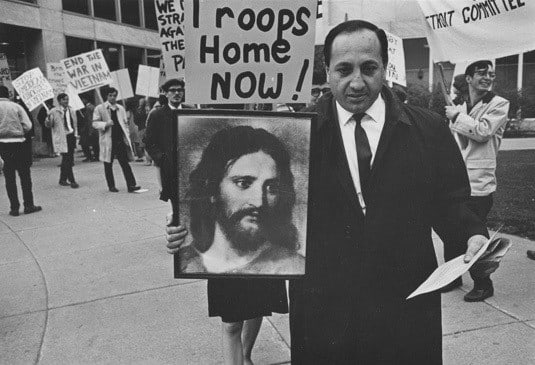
x=301, y=78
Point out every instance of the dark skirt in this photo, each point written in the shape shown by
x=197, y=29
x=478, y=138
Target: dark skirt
x=236, y=300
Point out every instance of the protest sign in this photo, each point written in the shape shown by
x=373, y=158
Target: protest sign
x=74, y=100
x=56, y=77
x=58, y=80
x=250, y=51
x=395, y=70
x=5, y=74
x=163, y=76
x=459, y=30
x=147, y=81
x=121, y=81
x=33, y=88
x=170, y=15
x=87, y=71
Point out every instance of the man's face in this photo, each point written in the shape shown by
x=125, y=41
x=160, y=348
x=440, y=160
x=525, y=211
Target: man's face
x=248, y=195
x=64, y=102
x=175, y=94
x=112, y=98
x=482, y=80
x=356, y=71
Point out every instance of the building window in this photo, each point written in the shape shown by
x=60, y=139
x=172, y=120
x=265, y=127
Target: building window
x=104, y=9
x=153, y=58
x=76, y=6
x=133, y=57
x=76, y=46
x=506, y=72
x=150, y=14
x=130, y=12
x=111, y=54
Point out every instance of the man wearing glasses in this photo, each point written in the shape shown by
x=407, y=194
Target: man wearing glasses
x=159, y=136
x=319, y=87
x=478, y=128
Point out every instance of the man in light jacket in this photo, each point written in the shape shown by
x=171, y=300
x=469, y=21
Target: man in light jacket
x=14, y=125
x=109, y=118
x=478, y=128
x=63, y=123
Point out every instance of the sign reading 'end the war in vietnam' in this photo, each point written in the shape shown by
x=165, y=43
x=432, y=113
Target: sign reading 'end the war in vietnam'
x=253, y=51
x=87, y=71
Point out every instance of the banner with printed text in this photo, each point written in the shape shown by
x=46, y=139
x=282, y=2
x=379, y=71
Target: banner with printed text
x=87, y=71
x=253, y=51
x=33, y=88
x=170, y=16
x=460, y=30
x=5, y=74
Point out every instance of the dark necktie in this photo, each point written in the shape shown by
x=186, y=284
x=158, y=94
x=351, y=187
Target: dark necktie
x=364, y=153
x=65, y=122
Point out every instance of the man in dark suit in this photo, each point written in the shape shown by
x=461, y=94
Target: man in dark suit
x=383, y=175
x=159, y=136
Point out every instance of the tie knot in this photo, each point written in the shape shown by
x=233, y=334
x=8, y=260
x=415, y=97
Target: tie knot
x=358, y=117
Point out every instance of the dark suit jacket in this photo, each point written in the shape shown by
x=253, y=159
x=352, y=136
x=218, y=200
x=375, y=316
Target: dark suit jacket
x=351, y=306
x=159, y=139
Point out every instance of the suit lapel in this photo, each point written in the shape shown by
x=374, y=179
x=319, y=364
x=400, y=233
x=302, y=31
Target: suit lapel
x=394, y=115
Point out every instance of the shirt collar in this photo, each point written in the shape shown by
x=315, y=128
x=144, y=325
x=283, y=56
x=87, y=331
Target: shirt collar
x=173, y=108
x=377, y=112
x=109, y=106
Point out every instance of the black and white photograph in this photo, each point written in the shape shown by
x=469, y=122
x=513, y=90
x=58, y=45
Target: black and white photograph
x=271, y=182
x=243, y=190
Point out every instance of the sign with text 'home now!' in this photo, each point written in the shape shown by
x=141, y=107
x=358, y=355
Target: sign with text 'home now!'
x=253, y=51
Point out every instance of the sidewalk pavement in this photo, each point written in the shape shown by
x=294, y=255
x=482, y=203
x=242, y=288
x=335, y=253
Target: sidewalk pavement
x=88, y=280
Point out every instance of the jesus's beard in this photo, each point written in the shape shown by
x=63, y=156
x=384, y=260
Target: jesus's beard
x=244, y=239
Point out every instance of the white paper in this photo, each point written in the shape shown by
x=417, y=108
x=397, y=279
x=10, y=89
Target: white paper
x=449, y=271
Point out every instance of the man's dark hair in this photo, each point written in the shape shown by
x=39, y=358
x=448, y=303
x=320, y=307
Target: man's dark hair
x=478, y=65
x=4, y=92
x=172, y=82
x=61, y=96
x=319, y=77
x=111, y=90
x=352, y=26
x=225, y=147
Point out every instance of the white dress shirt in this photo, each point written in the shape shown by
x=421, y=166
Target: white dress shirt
x=67, y=113
x=372, y=123
x=173, y=108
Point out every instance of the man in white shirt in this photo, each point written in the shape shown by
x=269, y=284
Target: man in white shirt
x=15, y=151
x=109, y=118
x=63, y=123
x=478, y=128
x=383, y=175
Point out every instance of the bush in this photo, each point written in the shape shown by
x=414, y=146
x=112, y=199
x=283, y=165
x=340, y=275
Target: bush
x=418, y=95
x=522, y=102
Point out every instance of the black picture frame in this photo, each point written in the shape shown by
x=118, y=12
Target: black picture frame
x=194, y=129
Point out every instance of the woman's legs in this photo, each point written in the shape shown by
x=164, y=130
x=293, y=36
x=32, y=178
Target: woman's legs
x=231, y=343
x=249, y=333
